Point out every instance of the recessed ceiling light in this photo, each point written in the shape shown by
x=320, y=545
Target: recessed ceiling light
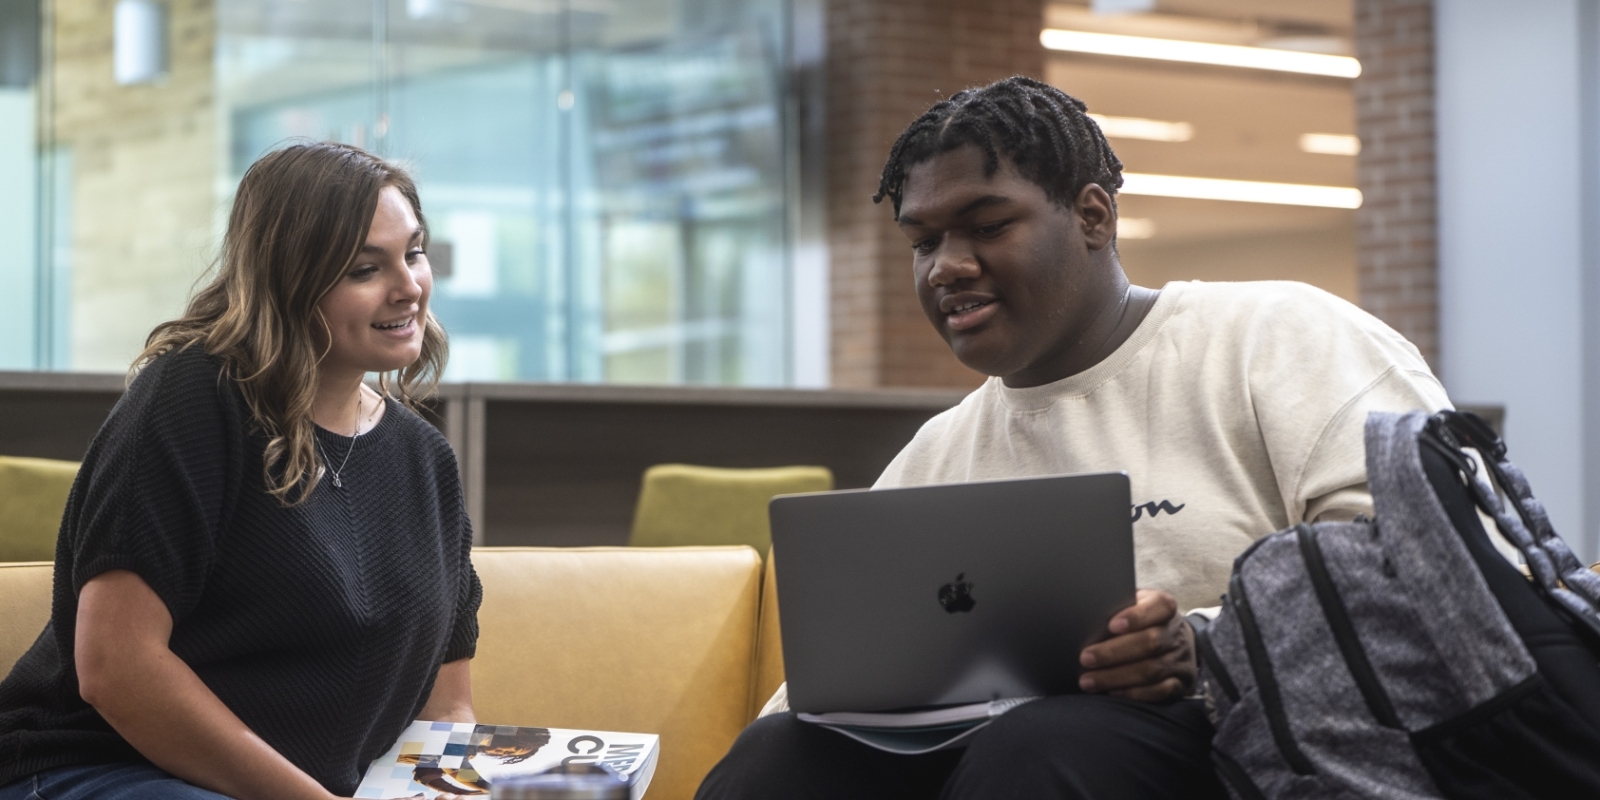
x=1135, y=227
x=1153, y=130
x=1332, y=144
x=1292, y=194
x=1226, y=55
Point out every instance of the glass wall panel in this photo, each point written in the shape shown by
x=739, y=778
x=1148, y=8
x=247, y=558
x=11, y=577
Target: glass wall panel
x=125, y=180
x=604, y=180
x=19, y=69
x=475, y=100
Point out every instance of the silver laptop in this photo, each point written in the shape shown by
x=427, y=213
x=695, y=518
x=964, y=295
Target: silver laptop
x=895, y=599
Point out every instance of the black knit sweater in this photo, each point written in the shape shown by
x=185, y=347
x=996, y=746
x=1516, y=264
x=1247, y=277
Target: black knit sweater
x=321, y=626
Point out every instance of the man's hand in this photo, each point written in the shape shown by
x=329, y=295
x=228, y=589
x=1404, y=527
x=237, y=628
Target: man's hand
x=1150, y=655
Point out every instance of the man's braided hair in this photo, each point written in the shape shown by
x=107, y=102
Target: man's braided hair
x=1044, y=131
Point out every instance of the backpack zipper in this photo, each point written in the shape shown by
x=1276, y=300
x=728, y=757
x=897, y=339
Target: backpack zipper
x=1266, y=683
x=1344, y=631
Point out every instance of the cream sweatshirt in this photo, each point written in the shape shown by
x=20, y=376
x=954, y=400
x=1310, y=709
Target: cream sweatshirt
x=1237, y=409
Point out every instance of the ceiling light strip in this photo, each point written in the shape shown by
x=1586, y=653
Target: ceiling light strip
x=1331, y=144
x=1226, y=55
x=1154, y=130
x=1289, y=194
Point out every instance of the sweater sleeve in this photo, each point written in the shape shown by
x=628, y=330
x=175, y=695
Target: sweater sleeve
x=1333, y=484
x=1318, y=365
x=151, y=494
x=464, y=632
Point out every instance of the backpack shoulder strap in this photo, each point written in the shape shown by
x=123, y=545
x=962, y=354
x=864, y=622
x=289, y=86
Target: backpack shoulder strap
x=1551, y=561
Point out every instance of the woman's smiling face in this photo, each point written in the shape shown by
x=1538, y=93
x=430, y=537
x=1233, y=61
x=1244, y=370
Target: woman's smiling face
x=375, y=314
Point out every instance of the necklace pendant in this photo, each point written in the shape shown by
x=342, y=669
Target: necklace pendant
x=337, y=484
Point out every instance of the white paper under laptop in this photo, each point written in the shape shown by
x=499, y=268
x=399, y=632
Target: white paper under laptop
x=911, y=617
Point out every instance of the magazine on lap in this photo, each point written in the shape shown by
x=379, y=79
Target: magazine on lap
x=465, y=758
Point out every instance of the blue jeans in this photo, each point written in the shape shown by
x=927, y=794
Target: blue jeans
x=104, y=782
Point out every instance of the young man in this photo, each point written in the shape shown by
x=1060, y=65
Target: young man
x=1236, y=410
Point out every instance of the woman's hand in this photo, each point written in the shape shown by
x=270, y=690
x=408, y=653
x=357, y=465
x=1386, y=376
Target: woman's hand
x=1150, y=655
x=160, y=706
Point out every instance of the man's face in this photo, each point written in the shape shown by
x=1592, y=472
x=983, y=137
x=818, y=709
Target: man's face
x=1009, y=278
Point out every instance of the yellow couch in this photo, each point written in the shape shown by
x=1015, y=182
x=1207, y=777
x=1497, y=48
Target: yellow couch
x=659, y=640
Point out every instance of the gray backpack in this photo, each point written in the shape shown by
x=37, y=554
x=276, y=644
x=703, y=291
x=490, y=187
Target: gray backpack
x=1403, y=657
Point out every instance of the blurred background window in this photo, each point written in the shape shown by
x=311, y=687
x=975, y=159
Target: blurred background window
x=615, y=186
x=19, y=196
x=605, y=180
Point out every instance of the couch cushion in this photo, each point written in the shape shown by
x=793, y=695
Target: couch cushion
x=33, y=493
x=680, y=504
x=25, y=600
x=656, y=640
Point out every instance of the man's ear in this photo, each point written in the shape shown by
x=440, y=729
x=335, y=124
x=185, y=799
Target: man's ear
x=1097, y=214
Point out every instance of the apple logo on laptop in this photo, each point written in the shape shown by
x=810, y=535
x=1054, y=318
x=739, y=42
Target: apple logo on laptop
x=956, y=596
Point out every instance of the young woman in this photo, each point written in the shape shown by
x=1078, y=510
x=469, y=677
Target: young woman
x=263, y=573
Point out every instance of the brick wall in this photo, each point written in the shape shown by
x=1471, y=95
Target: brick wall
x=888, y=60
x=1396, y=227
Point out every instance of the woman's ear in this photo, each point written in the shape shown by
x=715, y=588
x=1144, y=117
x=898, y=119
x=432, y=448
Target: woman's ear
x=1097, y=213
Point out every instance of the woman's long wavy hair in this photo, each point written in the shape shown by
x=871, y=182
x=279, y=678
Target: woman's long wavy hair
x=298, y=221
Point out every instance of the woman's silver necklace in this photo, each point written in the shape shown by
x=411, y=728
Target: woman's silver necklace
x=328, y=462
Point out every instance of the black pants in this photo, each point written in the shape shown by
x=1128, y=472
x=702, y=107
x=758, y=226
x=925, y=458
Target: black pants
x=1074, y=746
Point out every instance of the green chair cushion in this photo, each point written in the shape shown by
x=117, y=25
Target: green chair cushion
x=33, y=495
x=681, y=504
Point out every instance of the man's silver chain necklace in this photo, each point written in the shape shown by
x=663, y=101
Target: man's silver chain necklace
x=328, y=462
